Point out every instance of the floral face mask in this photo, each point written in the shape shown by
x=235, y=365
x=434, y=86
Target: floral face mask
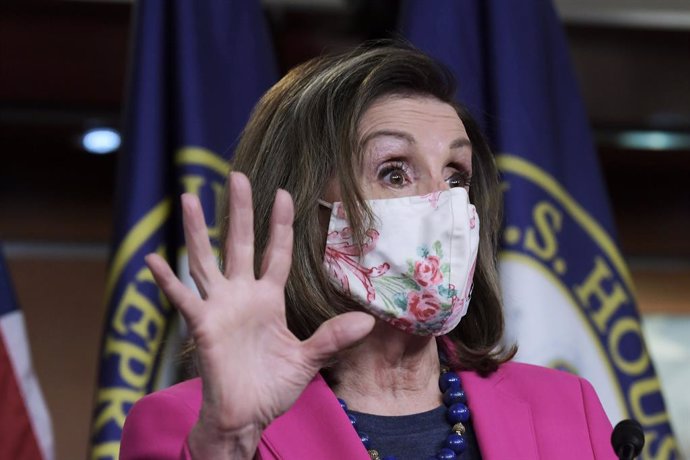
x=416, y=266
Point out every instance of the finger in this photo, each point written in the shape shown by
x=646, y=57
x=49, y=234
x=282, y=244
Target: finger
x=202, y=263
x=239, y=257
x=337, y=334
x=277, y=259
x=183, y=298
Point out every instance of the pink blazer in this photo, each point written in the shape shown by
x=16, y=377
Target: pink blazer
x=519, y=412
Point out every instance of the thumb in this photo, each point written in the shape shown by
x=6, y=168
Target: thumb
x=337, y=334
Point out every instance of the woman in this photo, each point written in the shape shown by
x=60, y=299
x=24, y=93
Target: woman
x=348, y=276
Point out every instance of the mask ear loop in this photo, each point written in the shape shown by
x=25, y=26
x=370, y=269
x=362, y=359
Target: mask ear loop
x=325, y=204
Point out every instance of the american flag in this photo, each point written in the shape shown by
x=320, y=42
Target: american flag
x=25, y=427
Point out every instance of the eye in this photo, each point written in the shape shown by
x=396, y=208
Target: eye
x=459, y=179
x=394, y=174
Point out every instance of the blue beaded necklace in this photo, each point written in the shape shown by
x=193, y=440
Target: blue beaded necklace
x=457, y=414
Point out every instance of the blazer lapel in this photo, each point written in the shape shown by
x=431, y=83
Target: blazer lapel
x=314, y=427
x=503, y=423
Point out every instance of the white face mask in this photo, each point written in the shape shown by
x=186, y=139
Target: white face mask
x=416, y=266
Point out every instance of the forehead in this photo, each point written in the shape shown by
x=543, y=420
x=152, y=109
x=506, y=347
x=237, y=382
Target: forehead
x=417, y=114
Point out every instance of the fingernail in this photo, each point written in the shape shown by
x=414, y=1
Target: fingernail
x=184, y=199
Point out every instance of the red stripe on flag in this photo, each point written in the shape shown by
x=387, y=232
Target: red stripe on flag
x=17, y=439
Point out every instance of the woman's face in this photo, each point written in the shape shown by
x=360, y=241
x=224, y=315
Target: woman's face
x=411, y=146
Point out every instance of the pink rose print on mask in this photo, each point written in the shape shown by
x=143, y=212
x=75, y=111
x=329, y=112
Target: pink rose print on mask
x=403, y=324
x=339, y=211
x=457, y=303
x=473, y=218
x=423, y=306
x=342, y=257
x=427, y=272
x=433, y=198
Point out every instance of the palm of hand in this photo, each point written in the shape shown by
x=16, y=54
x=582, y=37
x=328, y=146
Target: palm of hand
x=251, y=354
x=252, y=367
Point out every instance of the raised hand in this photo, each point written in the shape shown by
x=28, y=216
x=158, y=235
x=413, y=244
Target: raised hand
x=252, y=367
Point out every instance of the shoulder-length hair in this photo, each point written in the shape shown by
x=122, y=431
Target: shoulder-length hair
x=304, y=132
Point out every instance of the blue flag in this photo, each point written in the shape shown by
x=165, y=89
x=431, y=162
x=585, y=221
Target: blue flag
x=568, y=293
x=197, y=70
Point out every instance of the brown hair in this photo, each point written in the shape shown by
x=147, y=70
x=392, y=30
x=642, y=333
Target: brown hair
x=304, y=132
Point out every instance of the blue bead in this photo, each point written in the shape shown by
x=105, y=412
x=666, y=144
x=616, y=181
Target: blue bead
x=448, y=380
x=352, y=418
x=446, y=454
x=456, y=443
x=365, y=440
x=390, y=457
x=452, y=396
x=458, y=412
x=342, y=404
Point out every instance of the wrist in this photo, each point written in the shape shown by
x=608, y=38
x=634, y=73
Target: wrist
x=207, y=442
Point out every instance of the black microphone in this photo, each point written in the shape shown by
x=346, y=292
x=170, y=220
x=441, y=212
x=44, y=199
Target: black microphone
x=627, y=439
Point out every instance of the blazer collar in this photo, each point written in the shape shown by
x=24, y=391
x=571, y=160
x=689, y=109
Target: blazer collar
x=502, y=422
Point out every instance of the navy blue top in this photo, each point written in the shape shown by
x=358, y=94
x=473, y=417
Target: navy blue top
x=413, y=437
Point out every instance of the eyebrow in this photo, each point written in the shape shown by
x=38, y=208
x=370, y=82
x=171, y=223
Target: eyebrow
x=460, y=142
x=456, y=144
